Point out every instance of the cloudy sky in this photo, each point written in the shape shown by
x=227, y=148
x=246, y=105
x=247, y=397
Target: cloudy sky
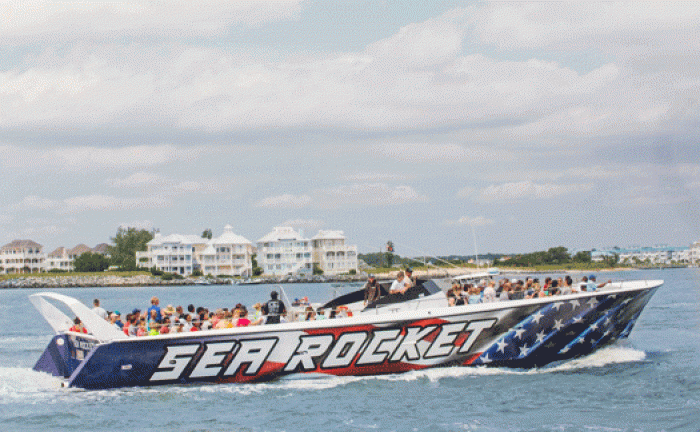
x=534, y=124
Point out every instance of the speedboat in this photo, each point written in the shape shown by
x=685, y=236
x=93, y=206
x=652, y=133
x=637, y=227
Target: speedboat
x=415, y=332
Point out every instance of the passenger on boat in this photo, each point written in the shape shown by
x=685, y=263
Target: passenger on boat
x=408, y=277
x=100, y=312
x=113, y=321
x=274, y=309
x=154, y=329
x=399, y=285
x=257, y=307
x=554, y=287
x=155, y=306
x=78, y=326
x=142, y=329
x=188, y=322
x=118, y=322
x=455, y=296
x=225, y=321
x=490, y=293
x=593, y=285
x=505, y=292
x=242, y=320
x=474, y=295
x=547, y=283
x=310, y=314
x=165, y=326
x=372, y=290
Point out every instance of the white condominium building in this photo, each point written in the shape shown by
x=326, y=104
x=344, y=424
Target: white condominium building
x=331, y=253
x=285, y=251
x=229, y=254
x=173, y=253
x=22, y=256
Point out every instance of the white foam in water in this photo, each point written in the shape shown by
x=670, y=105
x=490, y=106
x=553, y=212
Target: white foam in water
x=603, y=357
x=19, y=382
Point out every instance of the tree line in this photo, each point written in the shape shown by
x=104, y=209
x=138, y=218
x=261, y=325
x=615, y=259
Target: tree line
x=553, y=256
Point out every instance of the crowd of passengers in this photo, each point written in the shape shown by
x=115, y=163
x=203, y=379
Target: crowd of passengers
x=157, y=320
x=490, y=291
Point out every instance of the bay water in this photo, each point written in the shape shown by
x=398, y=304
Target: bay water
x=649, y=382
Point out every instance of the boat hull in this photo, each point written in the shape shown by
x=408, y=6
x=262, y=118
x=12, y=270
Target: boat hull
x=520, y=334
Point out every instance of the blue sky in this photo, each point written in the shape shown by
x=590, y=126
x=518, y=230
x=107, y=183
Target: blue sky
x=537, y=124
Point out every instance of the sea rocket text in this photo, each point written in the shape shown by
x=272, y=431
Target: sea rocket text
x=318, y=352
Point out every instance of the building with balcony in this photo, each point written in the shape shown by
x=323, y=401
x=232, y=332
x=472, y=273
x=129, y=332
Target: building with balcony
x=22, y=256
x=59, y=259
x=285, y=251
x=173, y=253
x=228, y=254
x=331, y=253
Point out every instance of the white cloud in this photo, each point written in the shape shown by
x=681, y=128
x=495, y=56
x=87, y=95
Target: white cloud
x=140, y=225
x=34, y=202
x=352, y=195
x=38, y=228
x=513, y=25
x=97, y=158
x=304, y=223
x=375, y=194
x=185, y=86
x=103, y=202
x=284, y=201
x=84, y=203
x=528, y=190
x=156, y=183
x=65, y=20
x=474, y=221
x=438, y=153
x=376, y=176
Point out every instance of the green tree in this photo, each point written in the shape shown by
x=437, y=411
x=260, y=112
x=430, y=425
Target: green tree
x=582, y=257
x=317, y=269
x=558, y=255
x=91, y=262
x=612, y=260
x=257, y=271
x=126, y=243
x=207, y=234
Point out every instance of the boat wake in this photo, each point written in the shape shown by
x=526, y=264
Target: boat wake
x=26, y=384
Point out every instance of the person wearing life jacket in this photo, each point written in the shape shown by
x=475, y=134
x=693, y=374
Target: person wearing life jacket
x=273, y=309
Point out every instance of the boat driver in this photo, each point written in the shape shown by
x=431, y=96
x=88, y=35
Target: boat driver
x=273, y=309
x=372, y=290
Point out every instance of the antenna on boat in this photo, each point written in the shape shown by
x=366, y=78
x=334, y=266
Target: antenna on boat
x=476, y=254
x=284, y=293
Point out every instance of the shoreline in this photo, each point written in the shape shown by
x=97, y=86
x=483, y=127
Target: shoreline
x=30, y=282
